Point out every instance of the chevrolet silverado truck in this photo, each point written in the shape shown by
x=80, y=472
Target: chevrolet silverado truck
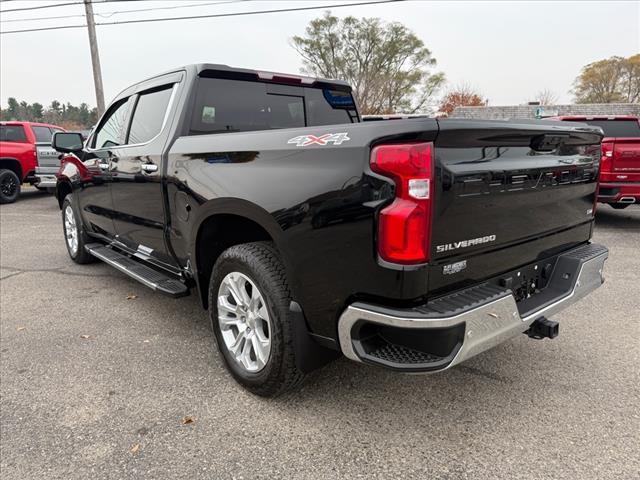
x=620, y=163
x=409, y=244
x=26, y=156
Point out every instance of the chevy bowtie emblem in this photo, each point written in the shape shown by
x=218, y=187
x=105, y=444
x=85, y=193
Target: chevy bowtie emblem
x=305, y=140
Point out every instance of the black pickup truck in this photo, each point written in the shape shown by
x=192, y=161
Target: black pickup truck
x=408, y=244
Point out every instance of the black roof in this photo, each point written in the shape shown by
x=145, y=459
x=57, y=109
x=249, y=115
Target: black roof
x=216, y=70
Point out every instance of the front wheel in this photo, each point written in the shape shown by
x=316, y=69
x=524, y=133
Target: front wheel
x=249, y=302
x=74, y=234
x=9, y=186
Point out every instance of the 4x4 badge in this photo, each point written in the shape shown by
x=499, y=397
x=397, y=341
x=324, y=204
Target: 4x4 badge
x=305, y=140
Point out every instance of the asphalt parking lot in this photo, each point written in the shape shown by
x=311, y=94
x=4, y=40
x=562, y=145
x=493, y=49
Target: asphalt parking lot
x=97, y=375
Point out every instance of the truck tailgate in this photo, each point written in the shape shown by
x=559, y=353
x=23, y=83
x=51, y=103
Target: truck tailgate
x=626, y=155
x=47, y=156
x=501, y=184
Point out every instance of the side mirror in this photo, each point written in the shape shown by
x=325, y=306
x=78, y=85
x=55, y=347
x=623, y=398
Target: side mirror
x=67, y=142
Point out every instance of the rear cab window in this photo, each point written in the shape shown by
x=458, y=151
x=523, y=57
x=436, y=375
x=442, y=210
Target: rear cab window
x=13, y=133
x=225, y=106
x=42, y=134
x=616, y=128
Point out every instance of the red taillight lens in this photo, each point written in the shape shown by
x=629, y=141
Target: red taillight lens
x=607, y=157
x=404, y=227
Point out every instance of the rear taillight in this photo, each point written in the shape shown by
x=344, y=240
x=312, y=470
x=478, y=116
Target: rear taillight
x=606, y=161
x=404, y=227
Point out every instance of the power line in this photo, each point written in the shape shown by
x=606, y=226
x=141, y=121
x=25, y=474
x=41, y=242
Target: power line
x=110, y=14
x=39, y=7
x=196, y=17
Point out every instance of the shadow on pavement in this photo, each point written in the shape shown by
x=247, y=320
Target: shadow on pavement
x=624, y=219
x=29, y=193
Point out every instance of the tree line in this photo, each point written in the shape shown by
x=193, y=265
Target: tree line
x=65, y=115
x=391, y=71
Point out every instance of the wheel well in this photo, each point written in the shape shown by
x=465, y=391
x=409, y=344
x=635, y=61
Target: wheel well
x=216, y=234
x=13, y=165
x=62, y=190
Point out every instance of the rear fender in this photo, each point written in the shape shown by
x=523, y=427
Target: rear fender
x=13, y=164
x=240, y=208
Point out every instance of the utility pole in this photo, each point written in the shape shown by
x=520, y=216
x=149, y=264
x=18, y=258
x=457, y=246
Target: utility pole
x=95, y=57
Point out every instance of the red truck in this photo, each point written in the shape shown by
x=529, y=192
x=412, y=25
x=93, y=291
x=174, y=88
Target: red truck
x=26, y=156
x=620, y=163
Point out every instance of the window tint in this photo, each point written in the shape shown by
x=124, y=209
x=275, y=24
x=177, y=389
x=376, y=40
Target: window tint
x=617, y=128
x=43, y=134
x=12, y=133
x=236, y=106
x=327, y=107
x=111, y=131
x=149, y=114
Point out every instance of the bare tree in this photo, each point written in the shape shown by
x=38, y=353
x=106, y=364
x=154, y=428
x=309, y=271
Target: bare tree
x=546, y=97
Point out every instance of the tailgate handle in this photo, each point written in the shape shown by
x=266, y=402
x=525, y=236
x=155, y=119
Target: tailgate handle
x=548, y=141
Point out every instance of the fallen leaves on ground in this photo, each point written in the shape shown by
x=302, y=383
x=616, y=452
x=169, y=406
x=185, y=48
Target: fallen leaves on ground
x=135, y=449
x=188, y=420
x=132, y=296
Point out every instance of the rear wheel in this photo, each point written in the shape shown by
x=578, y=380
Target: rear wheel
x=74, y=234
x=9, y=186
x=249, y=309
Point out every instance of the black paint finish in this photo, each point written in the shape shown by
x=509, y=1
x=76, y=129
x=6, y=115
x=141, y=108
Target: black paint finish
x=319, y=203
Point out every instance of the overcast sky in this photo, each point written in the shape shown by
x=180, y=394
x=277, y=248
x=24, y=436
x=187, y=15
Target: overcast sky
x=507, y=50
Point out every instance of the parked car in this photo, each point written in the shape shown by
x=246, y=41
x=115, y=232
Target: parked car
x=620, y=166
x=408, y=244
x=26, y=156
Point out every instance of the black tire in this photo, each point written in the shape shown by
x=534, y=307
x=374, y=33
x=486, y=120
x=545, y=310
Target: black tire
x=261, y=263
x=9, y=186
x=619, y=206
x=80, y=255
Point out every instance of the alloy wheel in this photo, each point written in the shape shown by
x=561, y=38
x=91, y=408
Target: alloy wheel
x=244, y=321
x=9, y=186
x=70, y=230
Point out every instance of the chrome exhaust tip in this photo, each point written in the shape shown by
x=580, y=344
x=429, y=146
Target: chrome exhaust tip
x=627, y=200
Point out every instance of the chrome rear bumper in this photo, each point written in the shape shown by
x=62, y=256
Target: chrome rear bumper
x=46, y=177
x=490, y=316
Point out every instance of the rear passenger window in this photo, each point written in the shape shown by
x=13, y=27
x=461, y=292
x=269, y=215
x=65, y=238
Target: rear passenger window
x=111, y=131
x=12, y=133
x=149, y=115
x=43, y=134
x=239, y=106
